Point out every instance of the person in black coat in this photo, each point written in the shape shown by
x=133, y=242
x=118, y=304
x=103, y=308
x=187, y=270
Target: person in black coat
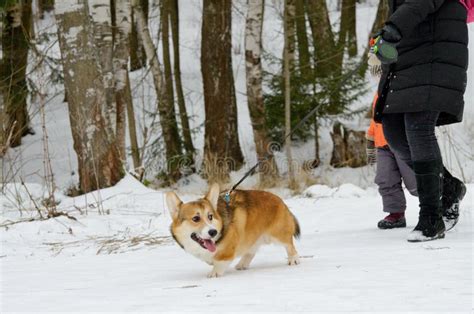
x=423, y=48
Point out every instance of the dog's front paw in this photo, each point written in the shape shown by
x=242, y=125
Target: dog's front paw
x=293, y=260
x=218, y=269
x=214, y=274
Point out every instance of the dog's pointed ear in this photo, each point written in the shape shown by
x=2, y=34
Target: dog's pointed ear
x=213, y=194
x=173, y=202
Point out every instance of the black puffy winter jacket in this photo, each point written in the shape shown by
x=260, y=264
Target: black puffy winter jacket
x=431, y=71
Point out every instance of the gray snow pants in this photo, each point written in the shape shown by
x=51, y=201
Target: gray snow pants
x=390, y=172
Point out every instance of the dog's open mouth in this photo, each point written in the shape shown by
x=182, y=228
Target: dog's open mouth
x=207, y=244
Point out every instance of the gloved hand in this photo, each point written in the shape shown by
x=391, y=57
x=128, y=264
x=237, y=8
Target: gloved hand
x=371, y=153
x=384, y=44
x=375, y=66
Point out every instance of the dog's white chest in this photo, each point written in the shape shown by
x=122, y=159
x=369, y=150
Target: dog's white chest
x=195, y=249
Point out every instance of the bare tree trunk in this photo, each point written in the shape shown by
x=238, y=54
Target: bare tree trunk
x=303, y=47
x=380, y=18
x=352, y=29
x=15, y=41
x=45, y=6
x=222, y=152
x=123, y=94
x=132, y=129
x=347, y=31
x=253, y=61
x=166, y=110
x=94, y=140
x=103, y=16
x=290, y=37
x=323, y=37
x=328, y=53
x=100, y=11
x=137, y=51
x=187, y=139
x=3, y=136
x=232, y=127
x=288, y=57
x=168, y=74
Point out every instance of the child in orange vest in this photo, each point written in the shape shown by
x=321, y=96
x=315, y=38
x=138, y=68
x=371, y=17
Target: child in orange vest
x=390, y=173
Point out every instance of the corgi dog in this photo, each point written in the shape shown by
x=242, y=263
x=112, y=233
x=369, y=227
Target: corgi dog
x=217, y=232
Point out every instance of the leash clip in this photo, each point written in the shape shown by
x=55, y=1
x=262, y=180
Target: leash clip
x=227, y=197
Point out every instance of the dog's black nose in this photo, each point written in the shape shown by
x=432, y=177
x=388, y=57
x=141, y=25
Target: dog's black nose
x=212, y=232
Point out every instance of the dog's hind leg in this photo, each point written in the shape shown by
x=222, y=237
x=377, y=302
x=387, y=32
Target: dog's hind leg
x=286, y=240
x=245, y=261
x=293, y=258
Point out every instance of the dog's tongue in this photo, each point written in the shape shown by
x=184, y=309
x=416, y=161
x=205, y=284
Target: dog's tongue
x=210, y=245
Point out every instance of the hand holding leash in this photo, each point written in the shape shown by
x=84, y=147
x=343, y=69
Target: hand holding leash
x=384, y=44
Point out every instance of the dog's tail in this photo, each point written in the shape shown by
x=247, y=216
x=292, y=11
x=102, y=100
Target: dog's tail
x=297, y=233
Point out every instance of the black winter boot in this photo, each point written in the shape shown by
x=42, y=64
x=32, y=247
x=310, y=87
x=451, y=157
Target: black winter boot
x=453, y=193
x=429, y=181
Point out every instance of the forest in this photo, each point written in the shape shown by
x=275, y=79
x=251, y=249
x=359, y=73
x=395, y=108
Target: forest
x=102, y=43
x=108, y=107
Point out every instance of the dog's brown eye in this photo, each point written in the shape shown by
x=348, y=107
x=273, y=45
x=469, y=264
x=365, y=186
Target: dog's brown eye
x=209, y=216
x=196, y=218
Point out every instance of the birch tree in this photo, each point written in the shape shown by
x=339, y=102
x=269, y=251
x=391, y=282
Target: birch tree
x=15, y=42
x=288, y=56
x=253, y=62
x=166, y=110
x=123, y=94
x=222, y=152
x=94, y=140
x=102, y=29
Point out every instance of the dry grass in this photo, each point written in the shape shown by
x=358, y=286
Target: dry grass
x=111, y=244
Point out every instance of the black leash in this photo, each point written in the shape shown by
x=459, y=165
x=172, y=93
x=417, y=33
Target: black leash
x=269, y=155
x=226, y=196
x=297, y=126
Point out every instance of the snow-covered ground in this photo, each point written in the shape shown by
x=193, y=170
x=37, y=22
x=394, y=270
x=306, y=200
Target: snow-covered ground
x=126, y=261
x=118, y=254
